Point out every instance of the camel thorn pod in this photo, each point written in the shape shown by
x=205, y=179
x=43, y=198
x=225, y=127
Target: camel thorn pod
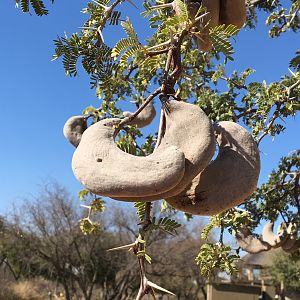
x=74, y=128
x=144, y=118
x=187, y=127
x=250, y=243
x=106, y=170
x=275, y=240
x=233, y=12
x=209, y=20
x=228, y=180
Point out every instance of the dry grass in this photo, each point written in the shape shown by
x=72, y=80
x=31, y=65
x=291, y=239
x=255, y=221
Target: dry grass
x=34, y=289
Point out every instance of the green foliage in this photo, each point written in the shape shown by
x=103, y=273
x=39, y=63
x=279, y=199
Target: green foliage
x=283, y=187
x=166, y=224
x=140, y=209
x=83, y=194
x=285, y=268
x=97, y=205
x=220, y=35
x=230, y=219
x=213, y=257
x=127, y=144
x=37, y=5
x=295, y=62
x=87, y=226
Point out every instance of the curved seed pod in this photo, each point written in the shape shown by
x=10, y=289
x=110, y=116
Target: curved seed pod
x=228, y=180
x=291, y=240
x=275, y=240
x=106, y=170
x=144, y=118
x=250, y=243
x=208, y=21
x=74, y=128
x=187, y=127
x=233, y=12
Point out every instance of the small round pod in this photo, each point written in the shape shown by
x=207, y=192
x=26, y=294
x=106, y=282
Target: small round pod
x=207, y=22
x=187, y=127
x=144, y=118
x=275, y=240
x=228, y=180
x=233, y=12
x=74, y=128
x=250, y=243
x=106, y=170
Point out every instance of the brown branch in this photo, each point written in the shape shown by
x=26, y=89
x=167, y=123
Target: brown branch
x=290, y=88
x=130, y=70
x=246, y=112
x=154, y=53
x=239, y=86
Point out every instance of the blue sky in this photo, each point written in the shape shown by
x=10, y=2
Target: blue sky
x=36, y=97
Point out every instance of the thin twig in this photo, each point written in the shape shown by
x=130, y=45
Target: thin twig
x=270, y=124
x=157, y=52
x=107, y=14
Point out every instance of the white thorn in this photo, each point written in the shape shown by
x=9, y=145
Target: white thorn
x=122, y=247
x=157, y=287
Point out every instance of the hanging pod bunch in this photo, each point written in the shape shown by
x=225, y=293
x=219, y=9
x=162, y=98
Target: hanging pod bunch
x=180, y=168
x=286, y=238
x=185, y=149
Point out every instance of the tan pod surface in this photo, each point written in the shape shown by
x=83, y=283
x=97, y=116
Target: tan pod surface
x=211, y=20
x=228, y=180
x=250, y=243
x=106, y=170
x=188, y=128
x=208, y=21
x=144, y=118
x=275, y=240
x=233, y=12
x=74, y=128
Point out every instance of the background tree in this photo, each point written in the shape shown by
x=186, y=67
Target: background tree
x=285, y=272
x=51, y=237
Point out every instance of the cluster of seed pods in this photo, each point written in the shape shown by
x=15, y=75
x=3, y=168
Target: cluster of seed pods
x=179, y=170
x=286, y=238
